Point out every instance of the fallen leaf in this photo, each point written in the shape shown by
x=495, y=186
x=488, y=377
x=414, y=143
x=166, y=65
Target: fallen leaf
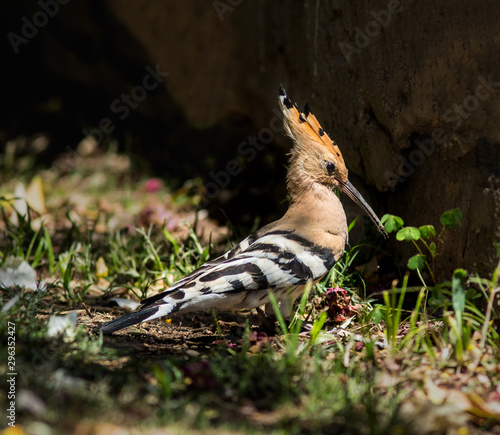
x=20, y=205
x=62, y=325
x=27, y=401
x=101, y=270
x=35, y=196
x=17, y=272
x=125, y=303
x=466, y=402
x=339, y=305
x=481, y=408
x=16, y=430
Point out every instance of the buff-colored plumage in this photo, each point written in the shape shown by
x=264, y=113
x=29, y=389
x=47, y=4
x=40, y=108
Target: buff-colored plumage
x=284, y=256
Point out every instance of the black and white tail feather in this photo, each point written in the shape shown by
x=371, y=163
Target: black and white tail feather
x=269, y=260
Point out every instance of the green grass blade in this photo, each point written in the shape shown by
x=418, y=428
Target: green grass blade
x=278, y=314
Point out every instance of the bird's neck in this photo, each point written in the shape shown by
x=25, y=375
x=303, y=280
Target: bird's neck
x=317, y=208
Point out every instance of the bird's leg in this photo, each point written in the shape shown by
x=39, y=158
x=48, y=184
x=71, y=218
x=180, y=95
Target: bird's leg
x=286, y=305
x=268, y=309
x=286, y=308
x=267, y=319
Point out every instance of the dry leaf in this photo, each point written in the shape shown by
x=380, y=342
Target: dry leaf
x=101, y=270
x=35, y=196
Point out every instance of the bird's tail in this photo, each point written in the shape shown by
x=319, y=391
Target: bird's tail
x=143, y=315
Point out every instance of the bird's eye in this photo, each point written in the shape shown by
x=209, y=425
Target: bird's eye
x=330, y=167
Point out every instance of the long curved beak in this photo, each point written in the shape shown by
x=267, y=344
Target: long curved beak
x=351, y=191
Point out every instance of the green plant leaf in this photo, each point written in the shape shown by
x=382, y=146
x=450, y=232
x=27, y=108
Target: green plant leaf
x=451, y=218
x=408, y=234
x=416, y=262
x=427, y=231
x=392, y=223
x=432, y=248
x=351, y=225
x=378, y=314
x=458, y=290
x=317, y=326
x=171, y=239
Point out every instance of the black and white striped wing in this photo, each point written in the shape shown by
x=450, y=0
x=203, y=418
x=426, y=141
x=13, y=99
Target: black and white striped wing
x=188, y=279
x=277, y=260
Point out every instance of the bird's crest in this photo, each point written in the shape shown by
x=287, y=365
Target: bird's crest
x=307, y=133
x=316, y=156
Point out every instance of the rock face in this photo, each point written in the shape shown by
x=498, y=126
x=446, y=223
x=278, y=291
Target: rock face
x=409, y=90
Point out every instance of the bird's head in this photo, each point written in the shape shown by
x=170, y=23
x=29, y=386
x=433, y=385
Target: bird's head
x=316, y=158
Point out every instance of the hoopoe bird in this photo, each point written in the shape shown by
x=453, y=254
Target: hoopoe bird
x=282, y=257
